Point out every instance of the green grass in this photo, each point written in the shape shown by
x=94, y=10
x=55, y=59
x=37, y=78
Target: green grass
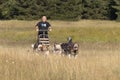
x=100, y=34
x=92, y=34
x=59, y=34
x=88, y=31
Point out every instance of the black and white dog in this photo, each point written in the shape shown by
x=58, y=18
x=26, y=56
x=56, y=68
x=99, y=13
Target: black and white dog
x=68, y=48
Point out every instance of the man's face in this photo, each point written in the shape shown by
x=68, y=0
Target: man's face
x=44, y=19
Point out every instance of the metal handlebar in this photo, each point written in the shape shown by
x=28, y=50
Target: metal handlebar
x=43, y=30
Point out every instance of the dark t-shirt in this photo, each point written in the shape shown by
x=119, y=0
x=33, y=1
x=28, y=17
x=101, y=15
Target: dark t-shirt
x=43, y=25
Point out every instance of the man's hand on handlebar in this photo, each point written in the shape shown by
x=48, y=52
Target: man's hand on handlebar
x=50, y=29
x=37, y=30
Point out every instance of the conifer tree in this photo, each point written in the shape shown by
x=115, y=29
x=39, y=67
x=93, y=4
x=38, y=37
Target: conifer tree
x=117, y=8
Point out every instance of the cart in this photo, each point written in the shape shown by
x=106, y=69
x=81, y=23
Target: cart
x=43, y=40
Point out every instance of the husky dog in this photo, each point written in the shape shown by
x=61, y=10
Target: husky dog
x=57, y=48
x=68, y=48
x=41, y=48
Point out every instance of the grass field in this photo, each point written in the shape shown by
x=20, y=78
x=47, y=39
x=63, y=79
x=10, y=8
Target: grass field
x=98, y=58
x=81, y=31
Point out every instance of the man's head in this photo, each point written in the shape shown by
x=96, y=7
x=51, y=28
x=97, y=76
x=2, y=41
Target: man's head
x=44, y=18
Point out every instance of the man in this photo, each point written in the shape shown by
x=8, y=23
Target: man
x=42, y=28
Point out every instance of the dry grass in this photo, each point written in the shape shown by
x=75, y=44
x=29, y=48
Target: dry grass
x=98, y=59
x=22, y=64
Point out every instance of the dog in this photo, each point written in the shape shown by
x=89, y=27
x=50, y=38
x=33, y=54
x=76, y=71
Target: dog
x=57, y=48
x=68, y=48
x=41, y=48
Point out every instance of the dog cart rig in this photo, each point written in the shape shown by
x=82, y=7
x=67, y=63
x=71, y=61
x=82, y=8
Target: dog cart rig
x=43, y=40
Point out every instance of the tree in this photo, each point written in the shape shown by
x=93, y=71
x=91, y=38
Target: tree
x=95, y=9
x=60, y=9
x=68, y=9
x=117, y=8
x=6, y=7
x=24, y=9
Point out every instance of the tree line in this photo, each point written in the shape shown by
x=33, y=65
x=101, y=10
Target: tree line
x=60, y=9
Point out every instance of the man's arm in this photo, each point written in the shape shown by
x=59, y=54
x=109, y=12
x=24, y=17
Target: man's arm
x=36, y=27
x=50, y=29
